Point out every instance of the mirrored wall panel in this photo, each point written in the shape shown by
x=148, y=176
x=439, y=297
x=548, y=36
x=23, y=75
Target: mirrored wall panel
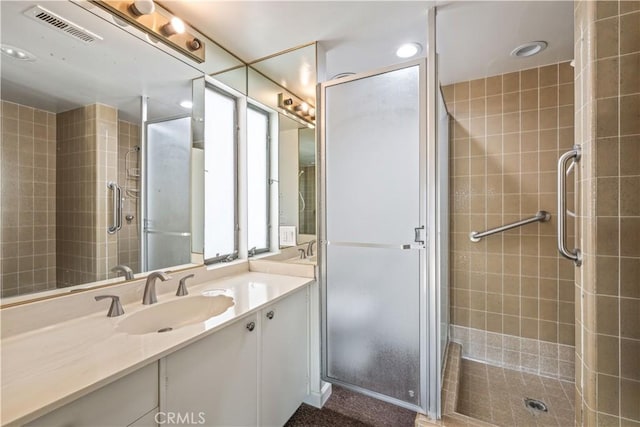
x=77, y=164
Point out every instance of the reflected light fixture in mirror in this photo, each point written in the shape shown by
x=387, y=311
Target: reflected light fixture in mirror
x=17, y=53
x=301, y=110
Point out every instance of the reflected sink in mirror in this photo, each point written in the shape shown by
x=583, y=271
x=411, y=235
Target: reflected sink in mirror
x=171, y=315
x=307, y=260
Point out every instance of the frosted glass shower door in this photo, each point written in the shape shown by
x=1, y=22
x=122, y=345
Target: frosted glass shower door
x=372, y=252
x=167, y=174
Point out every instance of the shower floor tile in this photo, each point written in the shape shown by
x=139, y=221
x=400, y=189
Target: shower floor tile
x=496, y=395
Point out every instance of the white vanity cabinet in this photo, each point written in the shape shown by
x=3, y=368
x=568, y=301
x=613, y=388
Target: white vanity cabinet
x=226, y=377
x=129, y=401
x=283, y=358
x=216, y=377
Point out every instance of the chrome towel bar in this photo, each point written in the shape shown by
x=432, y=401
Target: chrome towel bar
x=541, y=216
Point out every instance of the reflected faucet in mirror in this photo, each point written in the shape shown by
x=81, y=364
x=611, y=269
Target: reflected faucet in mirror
x=126, y=271
x=149, y=296
x=310, y=247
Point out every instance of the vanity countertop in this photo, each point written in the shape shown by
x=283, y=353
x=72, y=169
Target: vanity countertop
x=46, y=368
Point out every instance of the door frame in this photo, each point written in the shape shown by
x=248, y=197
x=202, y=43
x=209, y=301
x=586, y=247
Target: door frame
x=429, y=307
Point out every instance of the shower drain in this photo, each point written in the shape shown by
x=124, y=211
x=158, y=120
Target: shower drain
x=535, y=405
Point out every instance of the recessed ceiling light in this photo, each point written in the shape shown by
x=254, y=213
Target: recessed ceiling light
x=17, y=53
x=408, y=50
x=186, y=104
x=529, y=49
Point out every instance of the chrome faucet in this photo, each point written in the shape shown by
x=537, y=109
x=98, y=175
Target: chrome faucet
x=310, y=247
x=128, y=272
x=149, y=296
x=302, y=253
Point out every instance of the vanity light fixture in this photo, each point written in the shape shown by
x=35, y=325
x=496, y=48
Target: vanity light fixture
x=529, y=49
x=409, y=50
x=186, y=104
x=17, y=53
x=159, y=24
x=300, y=110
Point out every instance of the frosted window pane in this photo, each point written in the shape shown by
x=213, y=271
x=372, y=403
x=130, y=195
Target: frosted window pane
x=165, y=250
x=258, y=184
x=220, y=174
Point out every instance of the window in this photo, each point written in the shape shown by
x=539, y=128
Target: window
x=220, y=183
x=258, y=180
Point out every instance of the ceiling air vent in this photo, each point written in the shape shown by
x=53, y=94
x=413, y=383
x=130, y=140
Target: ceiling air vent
x=58, y=23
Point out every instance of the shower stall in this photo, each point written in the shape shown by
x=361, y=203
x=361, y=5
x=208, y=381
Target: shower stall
x=379, y=195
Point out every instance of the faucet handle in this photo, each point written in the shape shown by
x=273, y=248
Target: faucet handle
x=182, y=286
x=303, y=253
x=116, y=307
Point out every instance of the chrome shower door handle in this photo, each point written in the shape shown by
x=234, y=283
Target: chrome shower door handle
x=116, y=200
x=575, y=254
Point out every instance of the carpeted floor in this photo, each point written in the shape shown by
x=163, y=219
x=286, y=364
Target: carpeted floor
x=349, y=409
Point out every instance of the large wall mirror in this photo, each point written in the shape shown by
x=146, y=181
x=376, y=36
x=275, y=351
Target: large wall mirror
x=89, y=130
x=291, y=75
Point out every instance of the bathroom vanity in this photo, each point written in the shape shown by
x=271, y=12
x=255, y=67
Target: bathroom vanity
x=248, y=365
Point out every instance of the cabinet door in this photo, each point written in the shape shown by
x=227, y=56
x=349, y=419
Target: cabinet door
x=215, y=379
x=284, y=358
x=118, y=404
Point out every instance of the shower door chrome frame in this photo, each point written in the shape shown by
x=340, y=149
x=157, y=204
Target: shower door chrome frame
x=428, y=304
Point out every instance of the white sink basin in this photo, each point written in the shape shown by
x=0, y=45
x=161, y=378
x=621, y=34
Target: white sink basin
x=171, y=315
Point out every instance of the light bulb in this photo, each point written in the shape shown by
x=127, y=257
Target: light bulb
x=142, y=7
x=175, y=26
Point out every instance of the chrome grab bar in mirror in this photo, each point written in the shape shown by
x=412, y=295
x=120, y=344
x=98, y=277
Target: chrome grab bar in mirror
x=563, y=171
x=116, y=199
x=541, y=216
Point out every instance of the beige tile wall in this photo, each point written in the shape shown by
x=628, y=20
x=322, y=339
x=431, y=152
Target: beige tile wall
x=129, y=179
x=75, y=201
x=28, y=199
x=508, y=133
x=87, y=161
x=607, y=43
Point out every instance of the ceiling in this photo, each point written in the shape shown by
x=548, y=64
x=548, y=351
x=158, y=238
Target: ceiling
x=474, y=38
x=356, y=35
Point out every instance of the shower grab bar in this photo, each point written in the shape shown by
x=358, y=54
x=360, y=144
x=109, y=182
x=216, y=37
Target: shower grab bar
x=116, y=199
x=563, y=171
x=541, y=216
